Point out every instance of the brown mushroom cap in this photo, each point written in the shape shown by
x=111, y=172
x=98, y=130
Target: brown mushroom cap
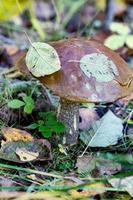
x=106, y=78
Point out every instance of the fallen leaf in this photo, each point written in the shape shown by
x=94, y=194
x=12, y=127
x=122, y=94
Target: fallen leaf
x=85, y=164
x=129, y=41
x=123, y=183
x=95, y=166
x=37, y=146
x=14, y=52
x=107, y=130
x=89, y=190
x=42, y=59
x=6, y=182
x=11, y=8
x=104, y=132
x=120, y=28
x=14, y=134
x=87, y=117
x=26, y=155
x=114, y=41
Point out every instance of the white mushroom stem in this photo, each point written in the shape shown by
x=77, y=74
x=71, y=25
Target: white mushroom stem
x=68, y=113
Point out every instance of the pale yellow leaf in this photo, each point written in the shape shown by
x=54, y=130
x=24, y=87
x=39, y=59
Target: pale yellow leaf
x=120, y=28
x=90, y=190
x=115, y=42
x=26, y=155
x=129, y=41
x=10, y=8
x=42, y=59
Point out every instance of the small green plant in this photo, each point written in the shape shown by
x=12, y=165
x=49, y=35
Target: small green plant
x=48, y=124
x=27, y=103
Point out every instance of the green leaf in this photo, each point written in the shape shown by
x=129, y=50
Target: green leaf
x=45, y=131
x=51, y=120
x=58, y=127
x=28, y=100
x=47, y=115
x=42, y=115
x=47, y=134
x=40, y=122
x=42, y=59
x=29, y=104
x=28, y=109
x=130, y=121
x=115, y=42
x=15, y=103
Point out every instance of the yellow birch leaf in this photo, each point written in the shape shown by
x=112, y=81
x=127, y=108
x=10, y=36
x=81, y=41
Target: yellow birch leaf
x=115, y=42
x=10, y=8
x=42, y=59
x=120, y=28
x=129, y=41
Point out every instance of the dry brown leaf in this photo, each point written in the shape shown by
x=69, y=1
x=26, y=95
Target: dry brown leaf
x=87, y=117
x=91, y=165
x=14, y=134
x=14, y=52
x=37, y=149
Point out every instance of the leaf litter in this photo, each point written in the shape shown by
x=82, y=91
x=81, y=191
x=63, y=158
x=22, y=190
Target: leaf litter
x=29, y=150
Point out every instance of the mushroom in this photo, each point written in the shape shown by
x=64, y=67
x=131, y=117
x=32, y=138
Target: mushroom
x=90, y=72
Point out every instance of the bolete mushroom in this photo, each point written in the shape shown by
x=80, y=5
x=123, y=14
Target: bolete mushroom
x=90, y=72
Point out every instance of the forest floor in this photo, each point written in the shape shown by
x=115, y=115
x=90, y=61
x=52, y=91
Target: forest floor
x=33, y=163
